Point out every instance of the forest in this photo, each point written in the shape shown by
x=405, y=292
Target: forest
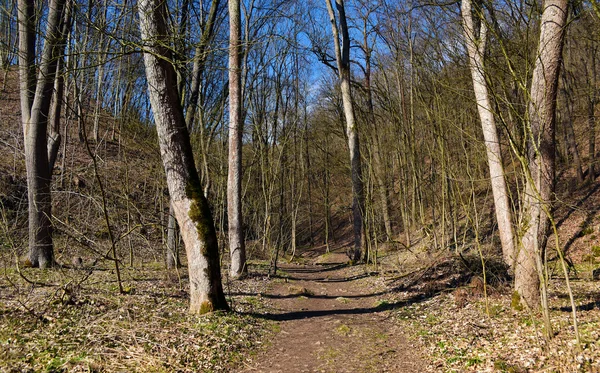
x=299, y=186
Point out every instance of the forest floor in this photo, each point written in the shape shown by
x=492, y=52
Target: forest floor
x=333, y=318
x=319, y=314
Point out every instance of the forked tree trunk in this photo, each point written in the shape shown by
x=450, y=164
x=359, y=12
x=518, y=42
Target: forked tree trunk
x=36, y=96
x=237, y=248
x=539, y=189
x=189, y=203
x=475, y=41
x=342, y=55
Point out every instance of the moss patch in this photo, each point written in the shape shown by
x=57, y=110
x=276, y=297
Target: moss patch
x=206, y=307
x=200, y=214
x=515, y=301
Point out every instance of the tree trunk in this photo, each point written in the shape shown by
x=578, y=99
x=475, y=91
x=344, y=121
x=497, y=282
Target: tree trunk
x=475, y=44
x=539, y=189
x=237, y=248
x=189, y=203
x=342, y=54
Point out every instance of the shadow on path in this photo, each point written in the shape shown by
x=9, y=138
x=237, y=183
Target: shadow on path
x=299, y=315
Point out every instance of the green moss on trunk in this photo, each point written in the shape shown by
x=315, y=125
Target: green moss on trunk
x=206, y=307
x=515, y=302
x=200, y=214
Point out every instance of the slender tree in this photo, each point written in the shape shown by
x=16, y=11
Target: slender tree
x=342, y=56
x=237, y=247
x=475, y=41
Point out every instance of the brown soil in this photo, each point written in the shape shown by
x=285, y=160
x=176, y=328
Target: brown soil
x=333, y=318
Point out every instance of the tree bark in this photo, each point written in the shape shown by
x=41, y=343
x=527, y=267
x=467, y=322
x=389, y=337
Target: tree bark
x=475, y=41
x=237, y=247
x=189, y=203
x=342, y=54
x=539, y=189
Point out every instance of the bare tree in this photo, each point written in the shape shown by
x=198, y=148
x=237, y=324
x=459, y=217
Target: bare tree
x=187, y=198
x=539, y=189
x=36, y=96
x=342, y=56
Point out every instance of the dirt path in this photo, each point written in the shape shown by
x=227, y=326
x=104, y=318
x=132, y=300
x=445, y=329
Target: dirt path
x=333, y=318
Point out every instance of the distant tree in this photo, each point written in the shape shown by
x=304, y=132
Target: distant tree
x=36, y=96
x=591, y=80
x=342, y=56
x=8, y=37
x=190, y=206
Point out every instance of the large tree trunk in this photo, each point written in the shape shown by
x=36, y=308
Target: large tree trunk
x=539, y=190
x=237, y=248
x=342, y=55
x=36, y=95
x=475, y=41
x=189, y=203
